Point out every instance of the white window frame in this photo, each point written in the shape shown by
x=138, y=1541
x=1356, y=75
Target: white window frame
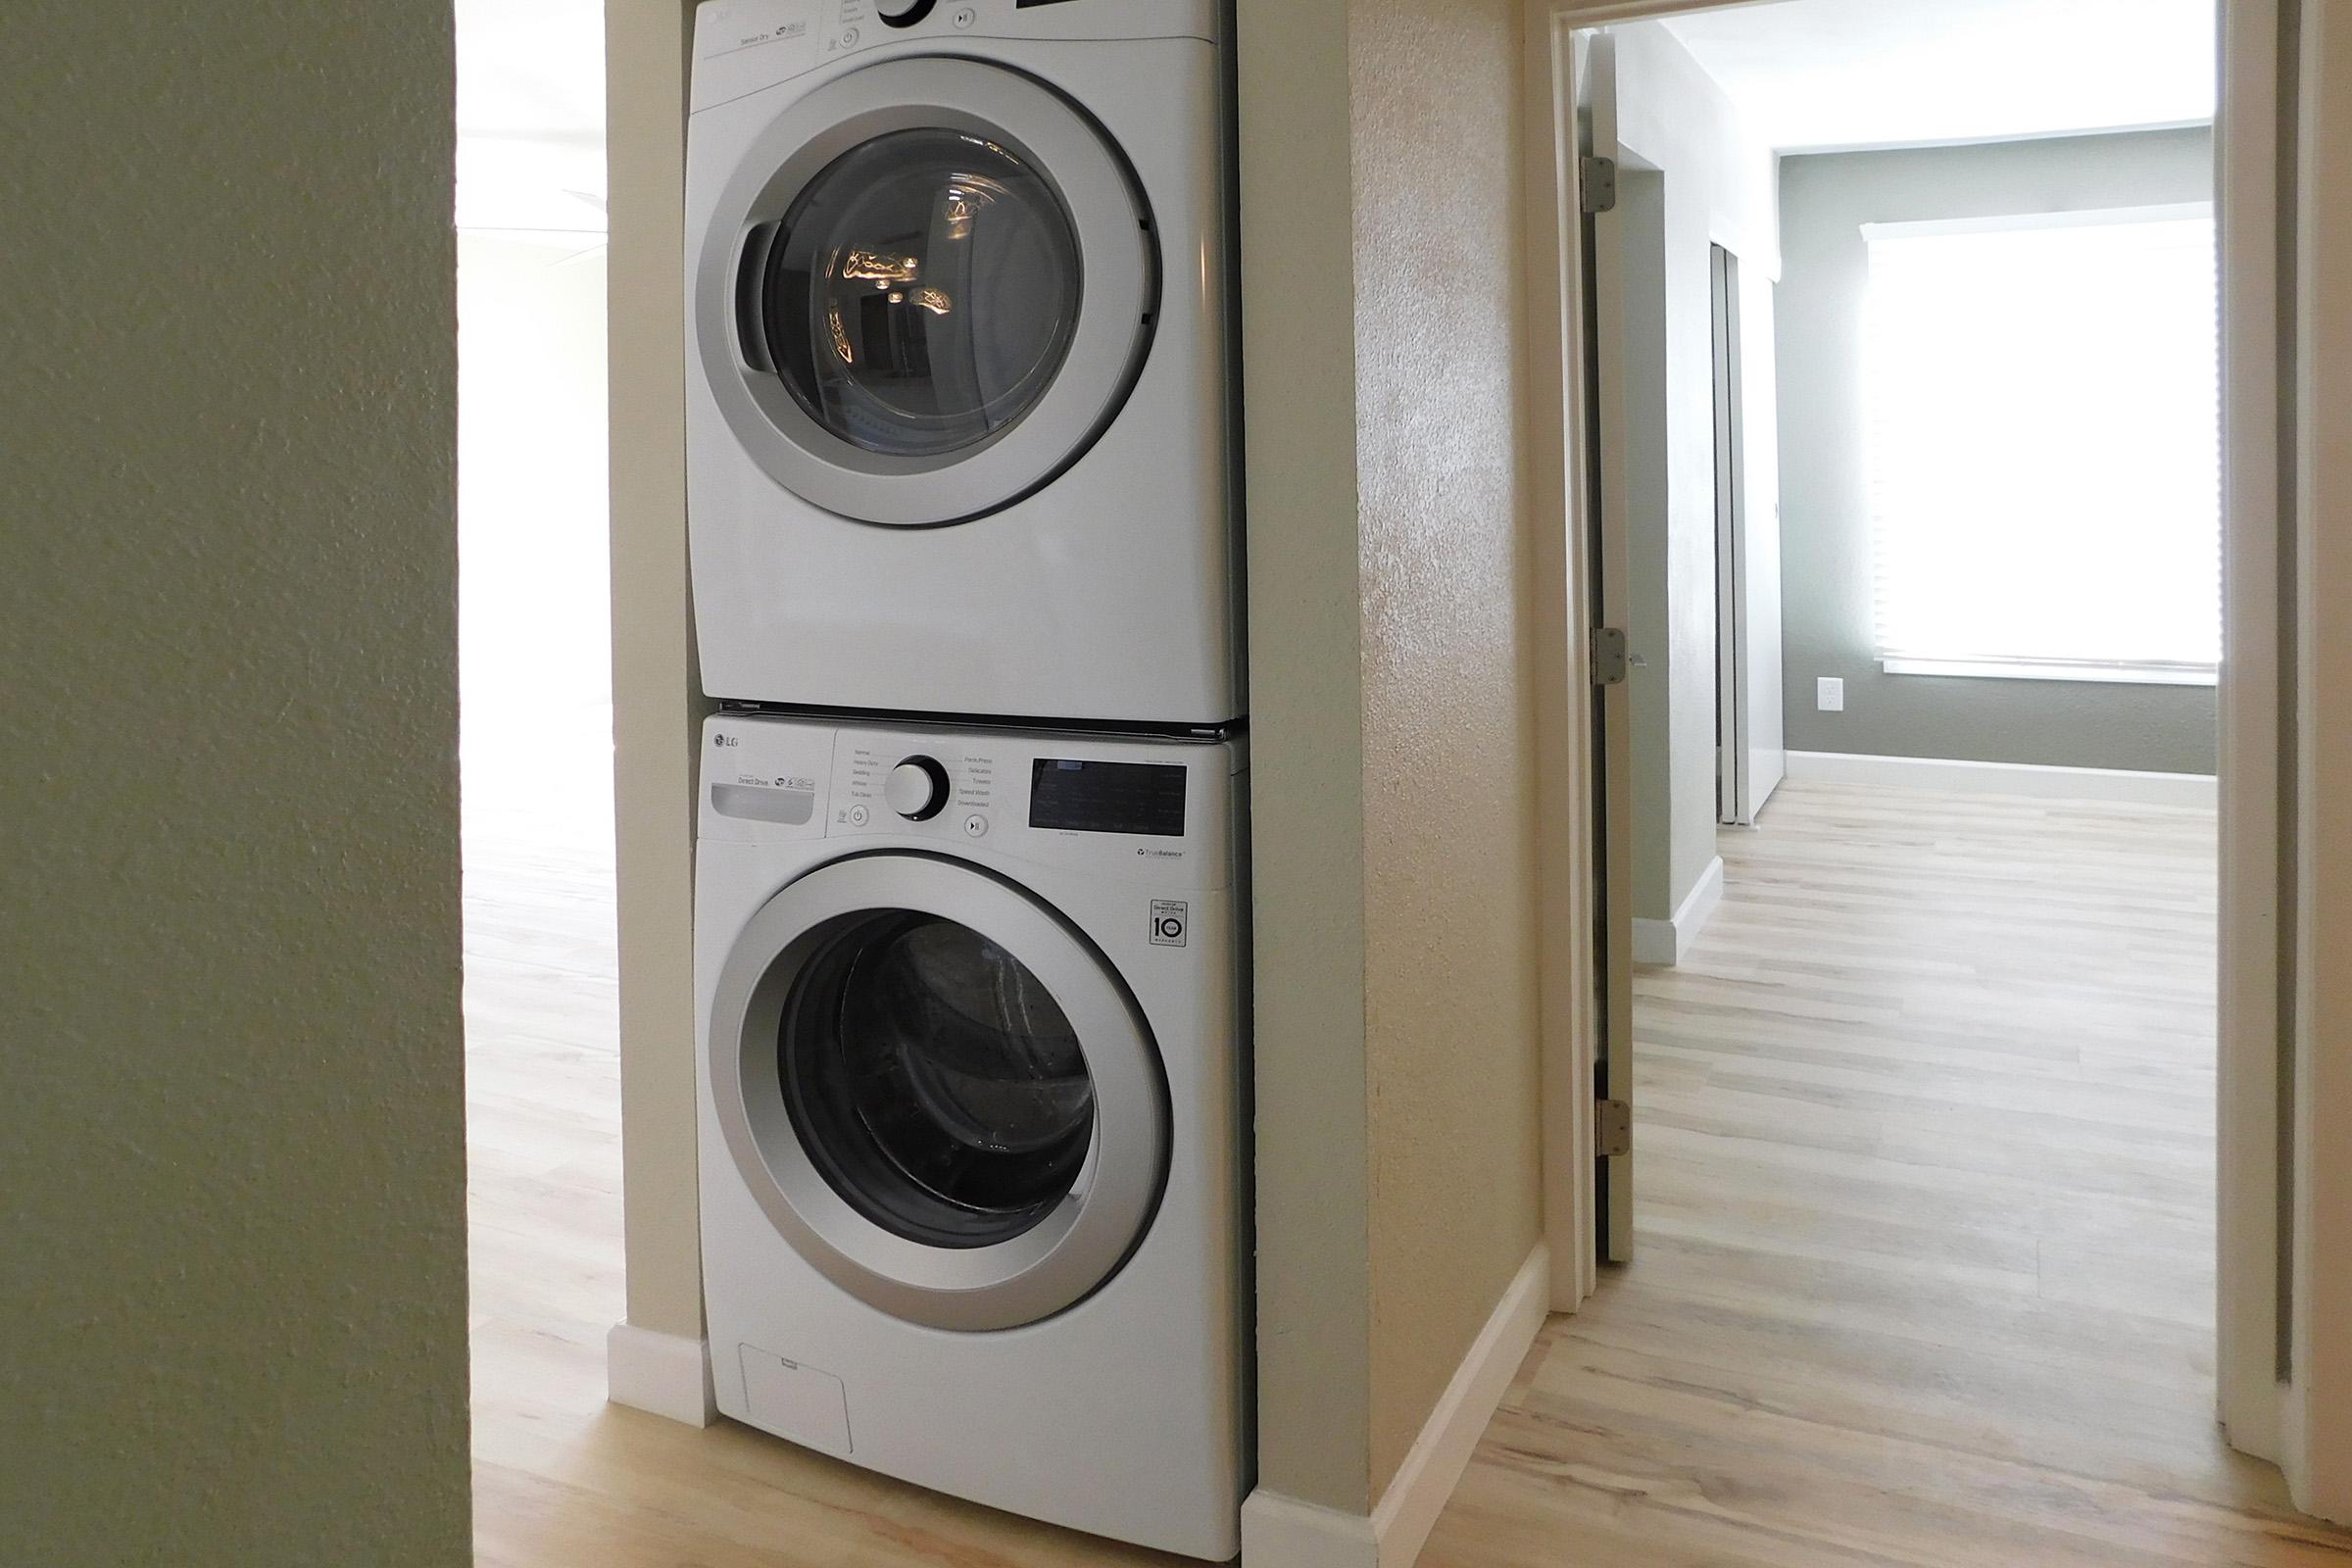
x=2056, y=669
x=2139, y=674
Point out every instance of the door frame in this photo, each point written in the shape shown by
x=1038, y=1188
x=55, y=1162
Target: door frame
x=2269, y=892
x=2255, y=927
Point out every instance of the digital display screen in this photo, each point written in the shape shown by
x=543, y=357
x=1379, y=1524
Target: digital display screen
x=1140, y=798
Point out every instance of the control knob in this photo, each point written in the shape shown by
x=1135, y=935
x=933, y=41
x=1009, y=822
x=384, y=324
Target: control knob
x=917, y=789
x=903, y=12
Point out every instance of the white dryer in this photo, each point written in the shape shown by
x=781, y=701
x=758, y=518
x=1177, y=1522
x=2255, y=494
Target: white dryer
x=973, y=1150
x=960, y=423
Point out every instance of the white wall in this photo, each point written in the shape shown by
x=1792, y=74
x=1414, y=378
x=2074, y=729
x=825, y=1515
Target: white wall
x=1719, y=189
x=535, y=630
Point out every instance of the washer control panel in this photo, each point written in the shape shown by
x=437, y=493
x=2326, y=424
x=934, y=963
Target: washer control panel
x=905, y=783
x=1121, y=807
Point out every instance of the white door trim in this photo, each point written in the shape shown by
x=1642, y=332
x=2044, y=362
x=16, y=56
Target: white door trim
x=2318, y=1414
x=2247, y=179
x=1564, y=701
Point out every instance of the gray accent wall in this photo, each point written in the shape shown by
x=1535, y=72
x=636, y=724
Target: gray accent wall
x=1826, y=572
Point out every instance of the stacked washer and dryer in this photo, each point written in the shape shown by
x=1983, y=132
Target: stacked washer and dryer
x=971, y=901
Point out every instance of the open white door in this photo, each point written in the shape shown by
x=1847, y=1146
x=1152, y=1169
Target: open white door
x=1751, y=751
x=1764, y=746
x=1606, y=463
x=1731, y=467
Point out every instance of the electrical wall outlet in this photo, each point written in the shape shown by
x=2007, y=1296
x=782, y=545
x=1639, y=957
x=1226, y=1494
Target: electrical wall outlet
x=1831, y=694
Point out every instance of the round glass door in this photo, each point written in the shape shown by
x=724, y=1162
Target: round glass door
x=938, y=1087
x=921, y=293
x=924, y=291
x=940, y=1094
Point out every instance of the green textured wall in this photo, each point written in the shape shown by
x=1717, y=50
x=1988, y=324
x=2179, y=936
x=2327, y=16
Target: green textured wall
x=232, y=1132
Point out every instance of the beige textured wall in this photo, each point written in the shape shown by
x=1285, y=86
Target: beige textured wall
x=231, y=1131
x=1306, y=771
x=1449, y=706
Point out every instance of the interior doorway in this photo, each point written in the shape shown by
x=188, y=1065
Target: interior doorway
x=1810, y=998
x=543, y=1092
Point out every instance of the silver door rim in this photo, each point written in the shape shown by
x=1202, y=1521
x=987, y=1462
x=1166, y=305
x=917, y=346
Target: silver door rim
x=1052, y=1266
x=1116, y=255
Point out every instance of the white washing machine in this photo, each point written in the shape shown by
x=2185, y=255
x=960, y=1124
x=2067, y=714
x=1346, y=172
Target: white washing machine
x=973, y=1146
x=959, y=422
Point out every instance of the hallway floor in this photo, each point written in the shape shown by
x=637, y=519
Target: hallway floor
x=1925, y=1232
x=1924, y=1241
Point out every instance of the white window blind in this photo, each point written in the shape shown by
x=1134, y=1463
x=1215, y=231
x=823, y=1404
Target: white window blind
x=2045, y=452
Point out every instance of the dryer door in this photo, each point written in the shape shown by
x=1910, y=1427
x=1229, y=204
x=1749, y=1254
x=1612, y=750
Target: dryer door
x=939, y=1091
x=926, y=290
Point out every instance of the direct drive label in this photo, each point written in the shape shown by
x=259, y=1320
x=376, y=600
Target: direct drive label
x=1171, y=926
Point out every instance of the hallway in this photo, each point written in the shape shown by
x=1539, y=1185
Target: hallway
x=1925, y=1192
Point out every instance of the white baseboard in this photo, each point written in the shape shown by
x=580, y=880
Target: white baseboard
x=1279, y=1531
x=1433, y=1467
x=666, y=1374
x=2007, y=778
x=1669, y=941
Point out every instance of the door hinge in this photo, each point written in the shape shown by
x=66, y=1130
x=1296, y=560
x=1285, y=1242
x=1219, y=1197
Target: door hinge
x=1612, y=1128
x=1609, y=657
x=1596, y=184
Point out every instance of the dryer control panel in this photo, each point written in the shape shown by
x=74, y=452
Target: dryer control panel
x=742, y=46
x=1152, y=810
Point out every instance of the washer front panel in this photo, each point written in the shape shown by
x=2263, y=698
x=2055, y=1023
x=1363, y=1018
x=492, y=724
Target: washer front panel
x=1061, y=1259
x=1013, y=123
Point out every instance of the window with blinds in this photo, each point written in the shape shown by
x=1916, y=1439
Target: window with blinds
x=2042, y=403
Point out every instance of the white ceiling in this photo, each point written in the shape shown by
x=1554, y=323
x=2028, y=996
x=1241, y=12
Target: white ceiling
x=1809, y=75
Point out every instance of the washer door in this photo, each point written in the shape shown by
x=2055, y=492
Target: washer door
x=938, y=1091
x=926, y=290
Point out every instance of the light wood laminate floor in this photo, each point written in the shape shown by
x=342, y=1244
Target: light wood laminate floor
x=1924, y=1225
x=1924, y=1220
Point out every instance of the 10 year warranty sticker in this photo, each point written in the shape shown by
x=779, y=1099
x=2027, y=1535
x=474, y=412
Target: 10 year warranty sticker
x=1170, y=926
